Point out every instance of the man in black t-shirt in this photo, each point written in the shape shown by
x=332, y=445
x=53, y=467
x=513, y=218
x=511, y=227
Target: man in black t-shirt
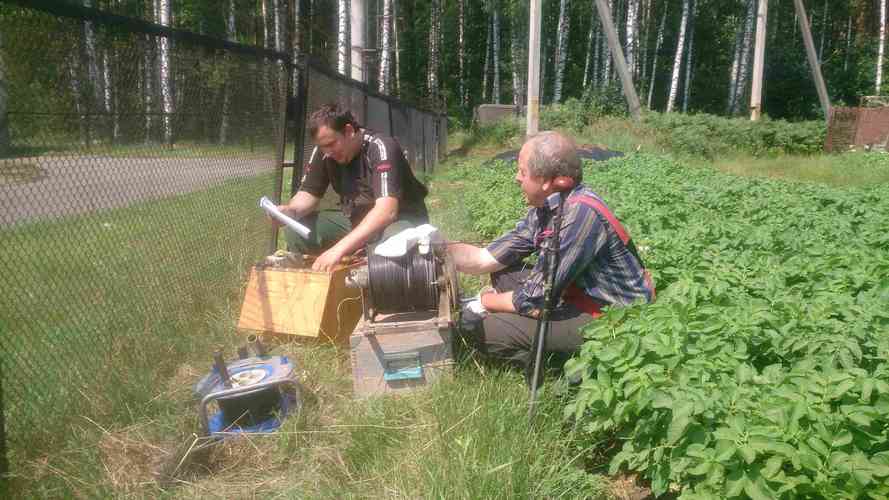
x=379, y=194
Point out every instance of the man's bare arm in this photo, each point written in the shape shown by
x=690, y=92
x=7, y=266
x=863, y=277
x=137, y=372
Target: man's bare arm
x=300, y=205
x=384, y=212
x=470, y=259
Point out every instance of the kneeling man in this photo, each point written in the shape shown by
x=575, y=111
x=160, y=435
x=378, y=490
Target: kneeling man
x=598, y=263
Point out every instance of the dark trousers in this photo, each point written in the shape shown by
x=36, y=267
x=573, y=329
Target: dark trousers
x=510, y=336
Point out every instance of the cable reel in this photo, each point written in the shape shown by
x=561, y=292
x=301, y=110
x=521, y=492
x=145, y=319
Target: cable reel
x=413, y=282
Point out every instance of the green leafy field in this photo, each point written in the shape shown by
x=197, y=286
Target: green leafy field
x=762, y=368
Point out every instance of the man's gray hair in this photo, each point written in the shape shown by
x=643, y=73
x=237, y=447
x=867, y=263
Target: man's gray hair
x=553, y=154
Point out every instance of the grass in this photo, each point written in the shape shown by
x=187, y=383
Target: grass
x=847, y=169
x=109, y=305
x=150, y=292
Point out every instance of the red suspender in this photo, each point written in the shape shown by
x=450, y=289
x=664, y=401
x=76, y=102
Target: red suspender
x=600, y=207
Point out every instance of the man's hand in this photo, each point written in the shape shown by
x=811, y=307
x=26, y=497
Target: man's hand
x=285, y=209
x=328, y=260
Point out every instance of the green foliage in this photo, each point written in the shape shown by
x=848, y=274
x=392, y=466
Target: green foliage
x=761, y=370
x=711, y=136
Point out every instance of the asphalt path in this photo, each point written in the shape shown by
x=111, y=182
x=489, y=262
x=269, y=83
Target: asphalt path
x=50, y=187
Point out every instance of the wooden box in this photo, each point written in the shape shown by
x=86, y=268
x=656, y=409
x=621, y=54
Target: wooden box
x=400, y=352
x=301, y=302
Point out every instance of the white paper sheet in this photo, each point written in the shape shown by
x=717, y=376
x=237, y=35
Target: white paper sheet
x=272, y=209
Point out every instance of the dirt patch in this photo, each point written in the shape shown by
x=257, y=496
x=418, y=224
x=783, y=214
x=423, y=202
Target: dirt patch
x=626, y=488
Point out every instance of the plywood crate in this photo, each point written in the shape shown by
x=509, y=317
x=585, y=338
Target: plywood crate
x=300, y=302
x=400, y=352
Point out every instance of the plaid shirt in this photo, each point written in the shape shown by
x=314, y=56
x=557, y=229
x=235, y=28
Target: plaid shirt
x=591, y=255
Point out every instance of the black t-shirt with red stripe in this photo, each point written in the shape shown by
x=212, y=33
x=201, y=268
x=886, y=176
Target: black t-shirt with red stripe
x=380, y=169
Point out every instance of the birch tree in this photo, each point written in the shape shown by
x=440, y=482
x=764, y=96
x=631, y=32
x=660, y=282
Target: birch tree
x=4, y=97
x=166, y=81
x=385, y=48
x=594, y=25
x=657, y=49
x=561, y=54
x=461, y=52
x=606, y=53
x=487, y=68
x=230, y=35
x=434, y=41
x=495, y=42
x=741, y=63
x=631, y=36
x=518, y=55
x=882, y=46
x=689, y=59
x=677, y=59
x=397, y=52
x=342, y=38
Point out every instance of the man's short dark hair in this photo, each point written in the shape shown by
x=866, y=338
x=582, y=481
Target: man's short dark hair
x=553, y=154
x=331, y=116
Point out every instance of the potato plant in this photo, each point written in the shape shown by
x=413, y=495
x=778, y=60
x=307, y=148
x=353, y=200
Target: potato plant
x=762, y=370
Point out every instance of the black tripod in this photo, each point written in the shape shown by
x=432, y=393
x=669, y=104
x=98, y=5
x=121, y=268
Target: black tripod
x=550, y=254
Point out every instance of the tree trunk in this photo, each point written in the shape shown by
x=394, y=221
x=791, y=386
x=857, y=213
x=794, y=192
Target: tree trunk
x=606, y=73
x=518, y=68
x=631, y=37
x=746, y=54
x=824, y=29
x=848, y=44
x=166, y=79
x=342, y=39
x=642, y=63
x=744, y=58
x=226, y=91
x=657, y=49
x=495, y=89
x=561, y=50
x=487, y=69
x=882, y=46
x=4, y=102
x=461, y=48
x=589, y=47
x=296, y=44
x=736, y=66
x=397, y=54
x=689, y=60
x=677, y=59
x=432, y=68
x=385, y=49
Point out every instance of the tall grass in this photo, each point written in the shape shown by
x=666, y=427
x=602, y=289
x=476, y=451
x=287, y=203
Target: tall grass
x=106, y=308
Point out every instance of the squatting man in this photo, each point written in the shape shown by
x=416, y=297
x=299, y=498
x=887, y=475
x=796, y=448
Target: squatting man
x=598, y=263
x=379, y=195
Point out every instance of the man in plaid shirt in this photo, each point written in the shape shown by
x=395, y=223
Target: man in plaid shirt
x=598, y=263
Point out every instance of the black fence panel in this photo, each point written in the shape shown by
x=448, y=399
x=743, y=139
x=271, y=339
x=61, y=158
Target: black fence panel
x=413, y=127
x=403, y=131
x=132, y=158
x=129, y=185
x=378, y=116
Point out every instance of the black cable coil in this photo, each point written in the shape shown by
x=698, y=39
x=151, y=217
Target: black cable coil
x=402, y=284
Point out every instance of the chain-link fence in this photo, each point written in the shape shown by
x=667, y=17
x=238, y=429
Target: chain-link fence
x=132, y=157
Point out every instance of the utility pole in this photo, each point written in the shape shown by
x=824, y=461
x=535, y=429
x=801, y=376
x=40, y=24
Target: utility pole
x=759, y=53
x=617, y=54
x=533, y=111
x=358, y=23
x=814, y=63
